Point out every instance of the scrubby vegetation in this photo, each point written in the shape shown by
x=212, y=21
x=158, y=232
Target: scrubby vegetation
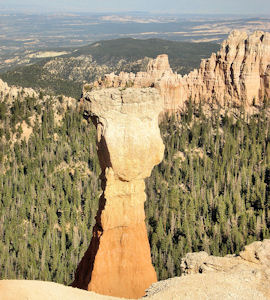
x=184, y=56
x=211, y=192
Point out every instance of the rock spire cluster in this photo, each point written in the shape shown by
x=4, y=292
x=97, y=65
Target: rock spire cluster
x=238, y=74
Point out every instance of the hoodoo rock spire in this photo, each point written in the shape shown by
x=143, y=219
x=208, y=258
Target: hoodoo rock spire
x=118, y=260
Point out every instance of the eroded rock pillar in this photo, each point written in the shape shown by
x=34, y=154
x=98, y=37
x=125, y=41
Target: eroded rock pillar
x=118, y=260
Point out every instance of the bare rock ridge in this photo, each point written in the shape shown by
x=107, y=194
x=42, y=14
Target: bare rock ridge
x=246, y=276
x=238, y=74
x=256, y=255
x=118, y=260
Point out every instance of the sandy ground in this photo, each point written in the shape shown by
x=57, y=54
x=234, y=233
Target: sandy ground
x=41, y=290
x=213, y=286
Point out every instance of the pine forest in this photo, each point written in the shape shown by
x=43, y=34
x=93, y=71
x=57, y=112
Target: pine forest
x=211, y=192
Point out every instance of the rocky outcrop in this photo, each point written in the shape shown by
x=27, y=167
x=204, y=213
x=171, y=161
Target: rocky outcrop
x=246, y=276
x=12, y=92
x=239, y=74
x=159, y=75
x=256, y=255
x=118, y=260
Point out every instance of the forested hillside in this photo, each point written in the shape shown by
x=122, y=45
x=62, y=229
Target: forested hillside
x=49, y=192
x=66, y=74
x=211, y=192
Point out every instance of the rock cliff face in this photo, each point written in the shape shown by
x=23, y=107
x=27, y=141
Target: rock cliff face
x=238, y=74
x=118, y=261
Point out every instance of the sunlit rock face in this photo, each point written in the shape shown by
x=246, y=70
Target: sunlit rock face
x=118, y=261
x=238, y=73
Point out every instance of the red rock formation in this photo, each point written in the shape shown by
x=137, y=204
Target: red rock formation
x=118, y=261
x=239, y=74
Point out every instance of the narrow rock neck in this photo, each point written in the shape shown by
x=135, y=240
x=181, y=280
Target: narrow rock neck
x=124, y=202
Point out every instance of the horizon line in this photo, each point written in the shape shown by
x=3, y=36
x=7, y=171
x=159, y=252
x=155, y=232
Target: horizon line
x=58, y=12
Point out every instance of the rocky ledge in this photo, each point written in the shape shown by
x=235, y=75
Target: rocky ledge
x=246, y=276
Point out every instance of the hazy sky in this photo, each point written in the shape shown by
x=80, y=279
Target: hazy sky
x=157, y=6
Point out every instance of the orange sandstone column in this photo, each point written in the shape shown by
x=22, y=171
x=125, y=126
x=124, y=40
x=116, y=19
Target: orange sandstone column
x=118, y=260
